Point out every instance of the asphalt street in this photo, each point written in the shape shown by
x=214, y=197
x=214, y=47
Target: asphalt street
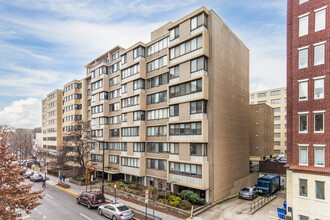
x=57, y=205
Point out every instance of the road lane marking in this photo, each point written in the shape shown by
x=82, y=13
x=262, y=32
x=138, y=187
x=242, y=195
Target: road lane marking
x=66, y=190
x=85, y=216
x=50, y=196
x=40, y=213
x=27, y=216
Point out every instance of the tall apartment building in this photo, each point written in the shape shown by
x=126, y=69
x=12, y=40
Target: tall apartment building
x=276, y=98
x=52, y=121
x=308, y=83
x=173, y=112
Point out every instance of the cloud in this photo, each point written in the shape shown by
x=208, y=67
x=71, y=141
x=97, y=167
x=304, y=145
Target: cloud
x=25, y=113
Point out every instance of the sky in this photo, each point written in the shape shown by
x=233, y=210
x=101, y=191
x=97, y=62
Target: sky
x=45, y=44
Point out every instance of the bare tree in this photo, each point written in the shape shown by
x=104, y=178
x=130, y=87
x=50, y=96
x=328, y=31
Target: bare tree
x=75, y=142
x=13, y=194
x=21, y=143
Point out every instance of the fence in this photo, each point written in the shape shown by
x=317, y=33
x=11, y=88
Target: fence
x=260, y=203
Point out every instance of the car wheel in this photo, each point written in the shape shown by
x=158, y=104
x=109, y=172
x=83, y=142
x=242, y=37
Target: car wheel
x=100, y=212
x=78, y=201
x=114, y=218
x=89, y=205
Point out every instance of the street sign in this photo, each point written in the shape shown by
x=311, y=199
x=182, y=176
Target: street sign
x=91, y=178
x=146, y=196
x=115, y=186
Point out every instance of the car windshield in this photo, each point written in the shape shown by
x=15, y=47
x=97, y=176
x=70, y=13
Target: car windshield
x=98, y=197
x=122, y=208
x=263, y=184
x=245, y=190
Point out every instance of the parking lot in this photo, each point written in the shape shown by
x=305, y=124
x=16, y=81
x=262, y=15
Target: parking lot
x=236, y=208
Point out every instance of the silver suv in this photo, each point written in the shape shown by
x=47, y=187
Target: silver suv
x=116, y=211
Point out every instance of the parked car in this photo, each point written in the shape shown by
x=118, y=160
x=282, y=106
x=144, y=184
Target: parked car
x=91, y=199
x=268, y=184
x=116, y=211
x=248, y=193
x=27, y=174
x=36, y=177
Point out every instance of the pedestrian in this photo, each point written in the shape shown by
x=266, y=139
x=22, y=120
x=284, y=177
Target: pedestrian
x=63, y=177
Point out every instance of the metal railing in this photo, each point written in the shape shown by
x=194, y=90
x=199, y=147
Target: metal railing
x=260, y=203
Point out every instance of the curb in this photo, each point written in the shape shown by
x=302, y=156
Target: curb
x=75, y=194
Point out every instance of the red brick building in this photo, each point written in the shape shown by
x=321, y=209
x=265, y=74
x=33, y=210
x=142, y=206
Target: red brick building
x=308, y=109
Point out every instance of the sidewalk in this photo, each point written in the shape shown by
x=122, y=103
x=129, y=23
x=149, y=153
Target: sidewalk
x=75, y=189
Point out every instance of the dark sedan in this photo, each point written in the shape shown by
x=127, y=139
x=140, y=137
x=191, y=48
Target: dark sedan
x=248, y=193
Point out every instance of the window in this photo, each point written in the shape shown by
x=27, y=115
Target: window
x=303, y=1
x=277, y=109
x=130, y=71
x=113, y=159
x=303, y=155
x=319, y=123
x=303, y=187
x=97, y=85
x=139, y=116
x=174, y=72
x=174, y=148
x=319, y=89
x=157, y=114
x=252, y=96
x=198, y=64
x=262, y=102
x=103, y=121
x=131, y=101
x=124, y=59
x=138, y=147
x=115, y=56
x=157, y=64
x=139, y=51
x=129, y=132
x=319, y=188
x=138, y=84
x=97, y=109
x=96, y=158
x=130, y=162
x=303, y=58
x=123, y=88
x=198, y=149
x=115, y=94
x=277, y=92
x=186, y=47
x=157, y=164
x=196, y=21
x=303, y=123
x=303, y=91
x=122, y=146
x=157, y=80
x=158, y=46
x=277, y=143
x=157, y=130
x=303, y=25
x=319, y=54
x=104, y=145
x=277, y=118
x=186, y=88
x=114, y=81
x=103, y=70
x=114, y=107
x=318, y=156
x=275, y=101
x=115, y=119
x=277, y=135
x=264, y=94
x=97, y=133
x=193, y=128
x=174, y=110
x=158, y=147
x=186, y=169
x=320, y=20
x=157, y=97
x=174, y=33
x=102, y=96
x=198, y=107
x=302, y=217
x=124, y=117
x=114, y=132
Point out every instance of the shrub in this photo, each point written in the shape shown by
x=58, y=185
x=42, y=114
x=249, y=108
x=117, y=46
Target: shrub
x=133, y=186
x=200, y=201
x=162, y=195
x=174, y=200
x=184, y=204
x=189, y=196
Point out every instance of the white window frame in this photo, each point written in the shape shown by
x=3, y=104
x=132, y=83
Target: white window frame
x=317, y=45
x=319, y=146
x=300, y=31
x=300, y=50
x=316, y=79
x=303, y=146
x=319, y=112
x=299, y=82
x=302, y=113
x=317, y=11
x=302, y=1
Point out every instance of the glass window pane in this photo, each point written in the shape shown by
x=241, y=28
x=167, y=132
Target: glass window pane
x=303, y=58
x=319, y=89
x=319, y=54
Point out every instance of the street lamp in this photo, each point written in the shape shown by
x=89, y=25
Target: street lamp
x=102, y=161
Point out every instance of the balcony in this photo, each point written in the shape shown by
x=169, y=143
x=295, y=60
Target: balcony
x=186, y=56
x=130, y=170
x=189, y=180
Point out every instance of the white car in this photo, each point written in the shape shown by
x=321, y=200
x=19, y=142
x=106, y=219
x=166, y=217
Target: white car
x=116, y=211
